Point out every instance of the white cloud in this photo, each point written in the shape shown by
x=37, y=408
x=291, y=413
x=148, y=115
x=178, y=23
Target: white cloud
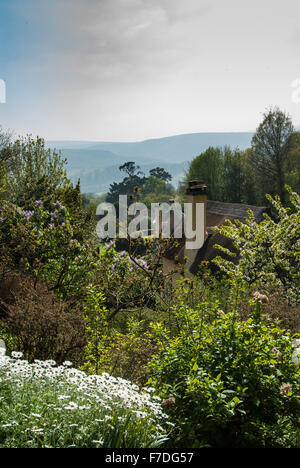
x=132, y=69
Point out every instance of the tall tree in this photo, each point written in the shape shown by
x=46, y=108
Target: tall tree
x=269, y=152
x=134, y=178
x=292, y=166
x=160, y=173
x=4, y=142
x=39, y=173
x=208, y=168
x=233, y=176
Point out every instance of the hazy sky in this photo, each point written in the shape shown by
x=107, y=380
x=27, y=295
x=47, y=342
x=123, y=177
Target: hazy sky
x=135, y=69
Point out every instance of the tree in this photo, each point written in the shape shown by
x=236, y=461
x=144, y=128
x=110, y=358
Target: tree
x=208, y=168
x=131, y=169
x=38, y=175
x=249, y=190
x=135, y=178
x=292, y=166
x=4, y=143
x=268, y=251
x=160, y=173
x=269, y=152
x=233, y=177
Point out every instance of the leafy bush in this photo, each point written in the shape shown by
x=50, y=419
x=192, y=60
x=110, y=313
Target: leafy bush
x=230, y=383
x=47, y=244
x=120, y=354
x=43, y=405
x=269, y=251
x=37, y=173
x=41, y=325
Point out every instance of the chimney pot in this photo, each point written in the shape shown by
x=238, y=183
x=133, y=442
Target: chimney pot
x=196, y=187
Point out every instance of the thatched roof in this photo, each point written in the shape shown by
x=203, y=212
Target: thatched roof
x=217, y=212
x=216, y=215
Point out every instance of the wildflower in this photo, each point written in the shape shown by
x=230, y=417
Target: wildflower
x=286, y=388
x=28, y=214
x=37, y=431
x=98, y=442
x=38, y=203
x=71, y=406
x=67, y=364
x=17, y=355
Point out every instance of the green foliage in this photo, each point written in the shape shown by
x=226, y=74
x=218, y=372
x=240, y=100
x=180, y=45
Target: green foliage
x=156, y=184
x=226, y=173
x=134, y=178
x=292, y=163
x=233, y=176
x=269, y=251
x=39, y=324
x=96, y=326
x=160, y=173
x=270, y=150
x=227, y=383
x=237, y=176
x=39, y=173
x=122, y=354
x=2, y=181
x=47, y=244
x=207, y=167
x=129, y=280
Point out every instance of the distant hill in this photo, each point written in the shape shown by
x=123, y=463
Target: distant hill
x=96, y=163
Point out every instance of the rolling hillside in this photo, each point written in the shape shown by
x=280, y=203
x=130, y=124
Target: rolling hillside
x=96, y=163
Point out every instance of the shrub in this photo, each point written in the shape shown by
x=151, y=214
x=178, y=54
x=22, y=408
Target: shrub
x=232, y=383
x=43, y=405
x=41, y=325
x=48, y=244
x=268, y=251
x=108, y=350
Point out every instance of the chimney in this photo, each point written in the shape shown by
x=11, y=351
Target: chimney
x=196, y=196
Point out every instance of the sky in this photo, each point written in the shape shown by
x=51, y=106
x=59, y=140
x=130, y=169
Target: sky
x=129, y=70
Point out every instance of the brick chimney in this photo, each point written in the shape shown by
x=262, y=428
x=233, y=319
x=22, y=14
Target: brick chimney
x=196, y=218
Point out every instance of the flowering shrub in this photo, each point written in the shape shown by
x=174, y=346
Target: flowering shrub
x=46, y=243
x=128, y=281
x=269, y=251
x=44, y=405
x=234, y=383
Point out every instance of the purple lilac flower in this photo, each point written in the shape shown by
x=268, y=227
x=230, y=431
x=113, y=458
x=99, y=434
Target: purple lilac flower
x=109, y=244
x=28, y=214
x=58, y=204
x=39, y=203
